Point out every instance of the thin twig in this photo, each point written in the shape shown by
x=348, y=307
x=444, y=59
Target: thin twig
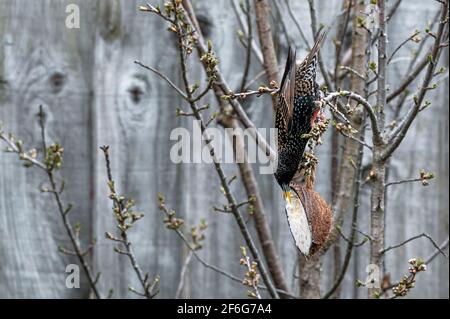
x=385, y=250
x=266, y=41
x=254, y=47
x=367, y=106
x=381, y=68
x=243, y=95
x=183, y=273
x=220, y=271
x=412, y=72
x=351, y=241
x=12, y=146
x=223, y=179
x=258, y=76
x=315, y=31
x=121, y=210
x=251, y=280
x=164, y=77
x=404, y=181
x=48, y=167
x=248, y=56
x=291, y=14
x=428, y=260
x=351, y=70
x=363, y=143
x=339, y=42
x=432, y=60
x=281, y=21
x=410, y=38
x=255, y=199
x=222, y=87
x=362, y=242
x=408, y=80
x=63, y=213
x=204, y=92
x=436, y=253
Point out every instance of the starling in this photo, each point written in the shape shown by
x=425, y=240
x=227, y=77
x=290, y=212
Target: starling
x=295, y=114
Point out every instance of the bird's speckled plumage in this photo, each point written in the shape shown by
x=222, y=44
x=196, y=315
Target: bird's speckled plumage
x=296, y=112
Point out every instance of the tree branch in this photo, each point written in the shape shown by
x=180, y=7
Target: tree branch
x=302, y=34
x=259, y=214
x=52, y=161
x=369, y=109
x=220, y=271
x=385, y=250
x=315, y=31
x=351, y=242
x=432, y=61
x=246, y=33
x=183, y=273
x=248, y=52
x=410, y=38
x=125, y=219
x=265, y=39
x=221, y=87
x=164, y=77
x=428, y=260
x=223, y=180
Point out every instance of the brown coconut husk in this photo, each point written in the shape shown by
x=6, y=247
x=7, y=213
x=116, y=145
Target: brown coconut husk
x=318, y=212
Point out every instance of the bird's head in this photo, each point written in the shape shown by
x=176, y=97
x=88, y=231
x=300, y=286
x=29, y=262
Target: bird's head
x=283, y=180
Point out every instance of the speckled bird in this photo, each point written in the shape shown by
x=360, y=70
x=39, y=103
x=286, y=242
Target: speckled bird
x=296, y=113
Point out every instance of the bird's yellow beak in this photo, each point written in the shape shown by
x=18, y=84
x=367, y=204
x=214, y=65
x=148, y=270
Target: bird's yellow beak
x=287, y=196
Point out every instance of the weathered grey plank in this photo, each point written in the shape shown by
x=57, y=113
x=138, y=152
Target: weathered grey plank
x=42, y=62
x=106, y=99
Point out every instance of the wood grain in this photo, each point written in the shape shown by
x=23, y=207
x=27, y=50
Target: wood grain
x=94, y=94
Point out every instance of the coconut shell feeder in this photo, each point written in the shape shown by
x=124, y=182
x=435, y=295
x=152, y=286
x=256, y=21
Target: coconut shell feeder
x=309, y=217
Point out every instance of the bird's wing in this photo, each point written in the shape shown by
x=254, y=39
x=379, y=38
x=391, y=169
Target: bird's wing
x=285, y=105
x=306, y=70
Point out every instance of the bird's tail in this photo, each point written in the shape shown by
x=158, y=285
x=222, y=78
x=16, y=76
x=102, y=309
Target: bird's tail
x=315, y=49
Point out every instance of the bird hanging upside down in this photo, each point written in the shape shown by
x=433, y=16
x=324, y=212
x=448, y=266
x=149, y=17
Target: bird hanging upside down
x=298, y=108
